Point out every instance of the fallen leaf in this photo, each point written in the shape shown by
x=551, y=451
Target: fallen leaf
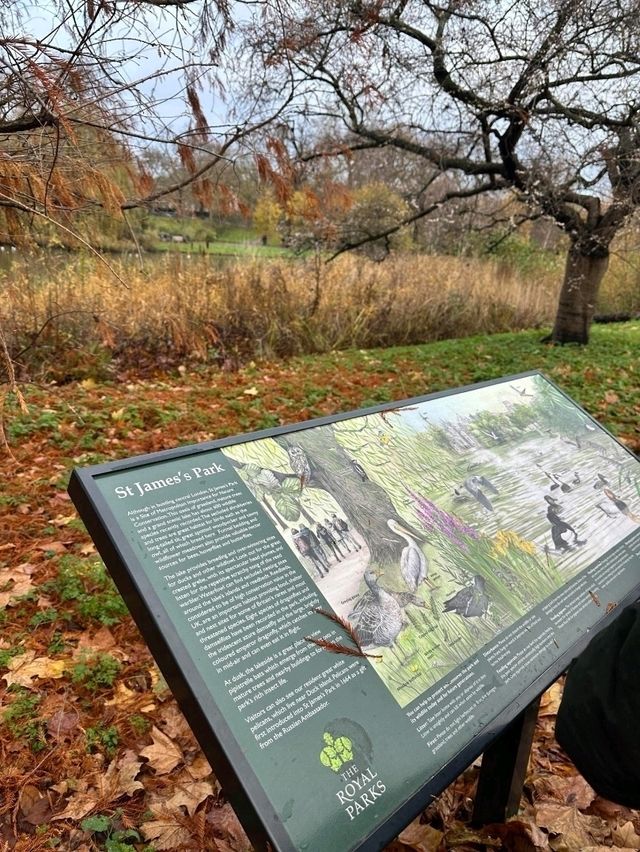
x=611, y=397
x=571, y=830
x=189, y=794
x=102, y=640
x=224, y=822
x=88, y=549
x=123, y=696
x=252, y=391
x=34, y=806
x=53, y=547
x=117, y=781
x=174, y=724
x=569, y=790
x=62, y=723
x=550, y=701
x=421, y=837
x=166, y=832
x=519, y=835
x=62, y=520
x=164, y=755
x=199, y=768
x=26, y=666
x=15, y=582
x=625, y=835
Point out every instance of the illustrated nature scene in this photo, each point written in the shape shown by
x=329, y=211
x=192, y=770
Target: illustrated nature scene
x=433, y=526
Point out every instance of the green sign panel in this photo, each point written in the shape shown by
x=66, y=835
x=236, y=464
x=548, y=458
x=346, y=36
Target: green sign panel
x=470, y=542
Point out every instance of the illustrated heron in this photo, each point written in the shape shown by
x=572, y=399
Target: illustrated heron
x=413, y=563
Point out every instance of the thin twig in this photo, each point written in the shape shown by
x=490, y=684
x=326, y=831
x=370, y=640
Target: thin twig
x=337, y=647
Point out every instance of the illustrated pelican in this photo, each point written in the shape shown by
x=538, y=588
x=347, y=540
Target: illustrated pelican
x=413, y=562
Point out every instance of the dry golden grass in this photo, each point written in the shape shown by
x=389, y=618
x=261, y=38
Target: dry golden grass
x=191, y=308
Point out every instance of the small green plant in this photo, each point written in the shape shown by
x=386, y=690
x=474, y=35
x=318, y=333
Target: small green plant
x=21, y=720
x=139, y=724
x=87, y=584
x=44, y=616
x=96, y=671
x=7, y=653
x=57, y=643
x=108, y=831
x=102, y=739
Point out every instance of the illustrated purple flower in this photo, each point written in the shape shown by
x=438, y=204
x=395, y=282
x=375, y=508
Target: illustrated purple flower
x=435, y=519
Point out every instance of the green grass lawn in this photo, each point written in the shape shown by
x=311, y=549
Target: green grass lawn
x=229, y=249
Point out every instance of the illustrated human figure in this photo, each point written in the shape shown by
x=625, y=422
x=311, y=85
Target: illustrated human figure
x=303, y=546
x=343, y=526
x=329, y=541
x=315, y=545
x=338, y=534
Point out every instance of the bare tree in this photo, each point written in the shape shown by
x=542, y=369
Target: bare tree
x=538, y=100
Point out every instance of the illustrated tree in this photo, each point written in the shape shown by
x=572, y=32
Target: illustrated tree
x=282, y=471
x=366, y=503
x=535, y=102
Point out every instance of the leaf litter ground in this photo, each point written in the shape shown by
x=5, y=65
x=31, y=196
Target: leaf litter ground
x=95, y=753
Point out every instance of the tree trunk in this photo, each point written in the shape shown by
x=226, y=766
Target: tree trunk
x=584, y=271
x=366, y=505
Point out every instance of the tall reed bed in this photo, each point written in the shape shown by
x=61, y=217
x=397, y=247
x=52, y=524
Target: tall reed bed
x=180, y=308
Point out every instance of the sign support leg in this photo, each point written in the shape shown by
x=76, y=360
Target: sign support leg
x=503, y=770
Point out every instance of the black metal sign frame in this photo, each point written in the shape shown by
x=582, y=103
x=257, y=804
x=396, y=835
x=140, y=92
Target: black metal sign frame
x=239, y=781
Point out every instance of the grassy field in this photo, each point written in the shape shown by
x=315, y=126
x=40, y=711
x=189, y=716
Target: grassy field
x=83, y=710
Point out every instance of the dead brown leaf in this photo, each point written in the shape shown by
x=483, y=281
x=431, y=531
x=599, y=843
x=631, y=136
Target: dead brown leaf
x=104, y=787
x=550, y=701
x=607, y=849
x=26, y=666
x=199, y=768
x=421, y=837
x=189, y=794
x=519, y=835
x=225, y=823
x=166, y=832
x=15, y=582
x=611, y=397
x=569, y=790
x=625, y=835
x=62, y=722
x=34, y=807
x=174, y=724
x=163, y=755
x=571, y=831
x=53, y=547
x=101, y=641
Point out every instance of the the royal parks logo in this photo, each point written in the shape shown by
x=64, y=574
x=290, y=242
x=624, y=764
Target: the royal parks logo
x=336, y=752
x=359, y=787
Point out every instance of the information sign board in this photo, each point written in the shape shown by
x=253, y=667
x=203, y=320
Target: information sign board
x=473, y=540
